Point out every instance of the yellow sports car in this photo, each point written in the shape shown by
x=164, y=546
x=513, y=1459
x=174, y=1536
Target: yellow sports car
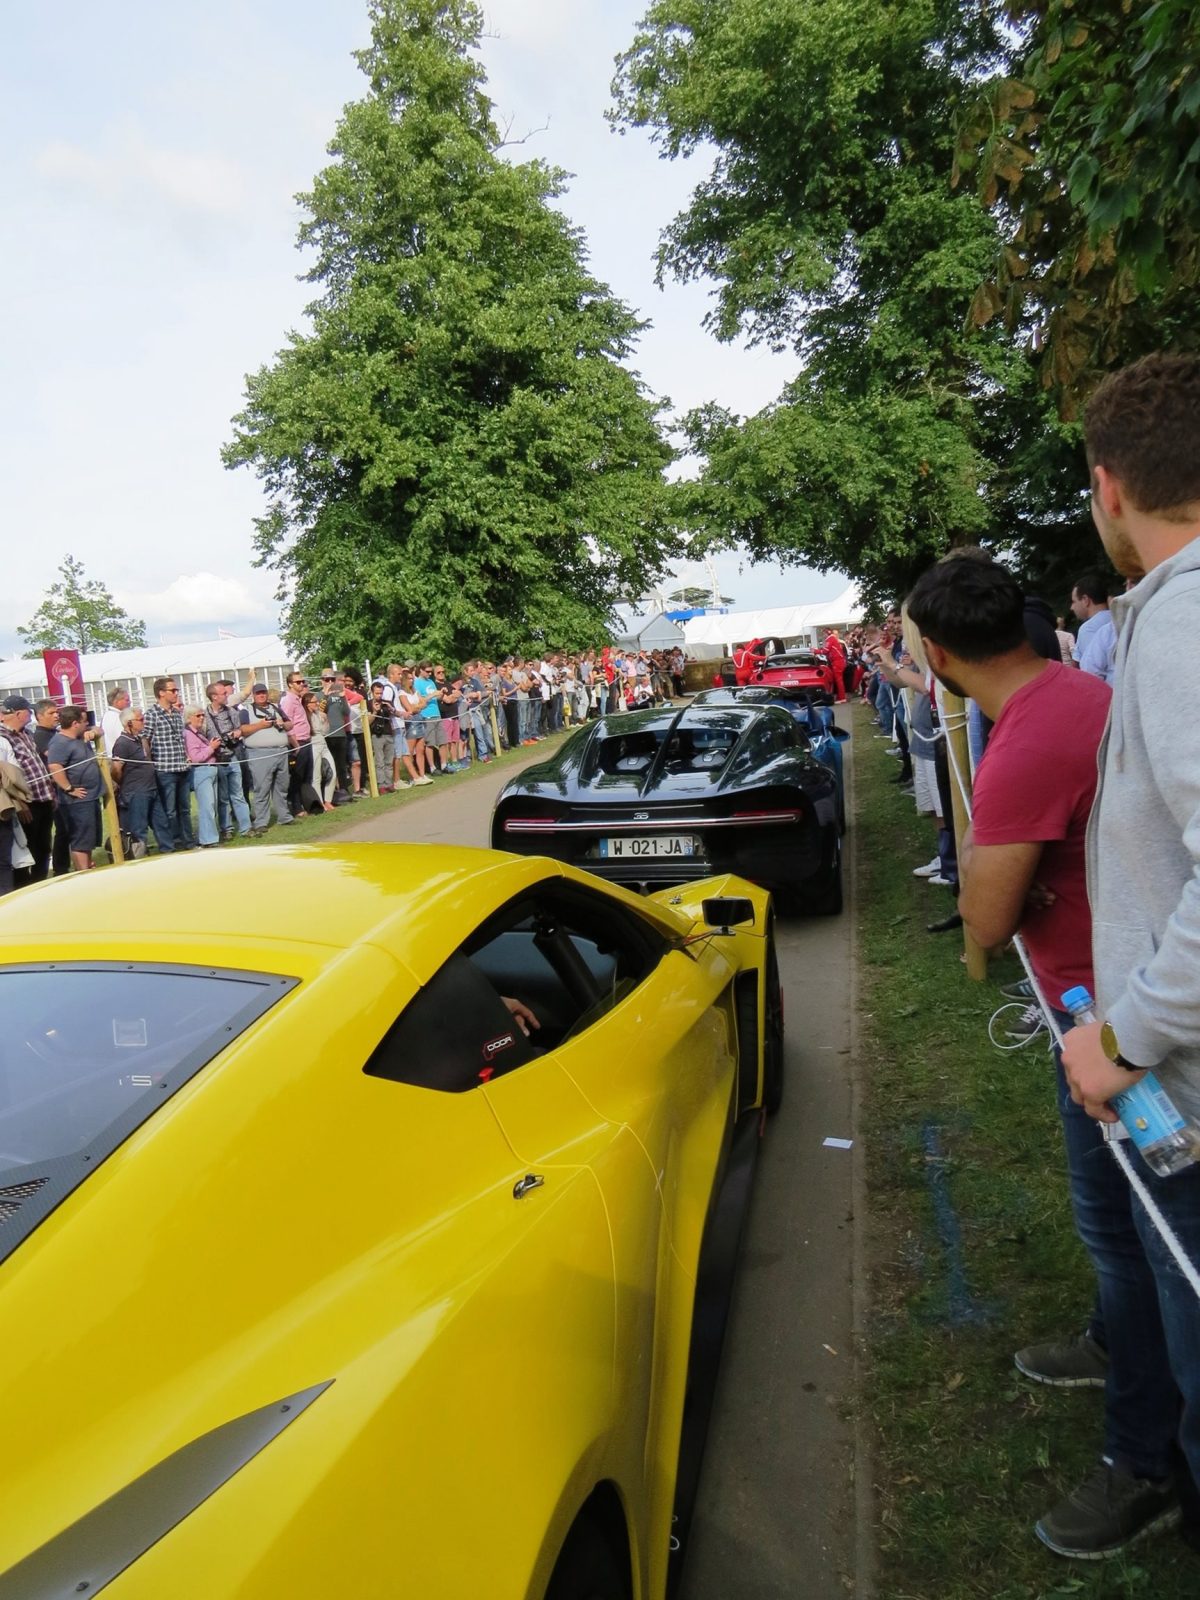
x=366, y=1221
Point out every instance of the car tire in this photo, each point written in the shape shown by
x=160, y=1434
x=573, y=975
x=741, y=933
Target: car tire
x=832, y=897
x=587, y=1567
x=772, y=1092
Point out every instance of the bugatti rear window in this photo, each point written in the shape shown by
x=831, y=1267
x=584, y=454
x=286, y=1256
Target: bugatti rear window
x=688, y=746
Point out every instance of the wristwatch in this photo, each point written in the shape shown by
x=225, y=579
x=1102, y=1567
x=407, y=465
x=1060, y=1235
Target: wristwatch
x=1108, y=1043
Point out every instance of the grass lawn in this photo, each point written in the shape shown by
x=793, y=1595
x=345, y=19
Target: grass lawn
x=327, y=824
x=974, y=1255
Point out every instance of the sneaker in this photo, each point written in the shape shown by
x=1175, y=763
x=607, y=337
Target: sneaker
x=936, y=879
x=1021, y=990
x=422, y=779
x=1078, y=1363
x=893, y=750
x=932, y=869
x=1030, y=1022
x=1109, y=1510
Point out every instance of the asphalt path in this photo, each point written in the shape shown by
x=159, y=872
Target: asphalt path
x=782, y=1512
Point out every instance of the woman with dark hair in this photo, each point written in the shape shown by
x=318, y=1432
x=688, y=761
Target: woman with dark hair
x=324, y=772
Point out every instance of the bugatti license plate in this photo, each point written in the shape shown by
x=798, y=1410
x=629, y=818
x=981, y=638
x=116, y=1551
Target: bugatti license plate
x=663, y=844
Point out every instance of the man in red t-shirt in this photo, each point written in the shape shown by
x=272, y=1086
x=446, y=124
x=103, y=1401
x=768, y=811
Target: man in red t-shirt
x=1021, y=867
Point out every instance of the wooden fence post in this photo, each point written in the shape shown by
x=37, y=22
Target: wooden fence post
x=369, y=751
x=111, y=815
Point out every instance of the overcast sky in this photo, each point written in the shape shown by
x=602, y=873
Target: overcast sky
x=152, y=153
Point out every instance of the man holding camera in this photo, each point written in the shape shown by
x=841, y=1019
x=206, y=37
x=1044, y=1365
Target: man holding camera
x=265, y=732
x=221, y=722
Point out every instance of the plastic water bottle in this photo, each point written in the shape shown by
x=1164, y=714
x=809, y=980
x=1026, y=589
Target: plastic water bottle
x=1166, y=1142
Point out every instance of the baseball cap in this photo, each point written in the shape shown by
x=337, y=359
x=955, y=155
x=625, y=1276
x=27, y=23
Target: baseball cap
x=17, y=702
x=259, y=688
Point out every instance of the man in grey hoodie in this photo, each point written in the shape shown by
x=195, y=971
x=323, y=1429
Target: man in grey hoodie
x=1143, y=850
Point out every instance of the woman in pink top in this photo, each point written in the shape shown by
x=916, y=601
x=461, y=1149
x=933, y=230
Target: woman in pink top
x=201, y=754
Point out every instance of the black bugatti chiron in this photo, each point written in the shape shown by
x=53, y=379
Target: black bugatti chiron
x=649, y=798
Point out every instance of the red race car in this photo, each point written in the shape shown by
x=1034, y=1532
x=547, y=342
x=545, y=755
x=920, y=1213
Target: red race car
x=796, y=669
x=766, y=661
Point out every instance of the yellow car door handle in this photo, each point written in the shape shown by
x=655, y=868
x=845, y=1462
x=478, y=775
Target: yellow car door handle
x=531, y=1180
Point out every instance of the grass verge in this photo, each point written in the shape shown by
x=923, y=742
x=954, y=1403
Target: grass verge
x=974, y=1254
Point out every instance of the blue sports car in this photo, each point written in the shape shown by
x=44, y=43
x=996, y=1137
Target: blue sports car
x=812, y=709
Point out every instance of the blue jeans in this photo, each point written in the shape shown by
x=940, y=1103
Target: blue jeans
x=1141, y=1400
x=145, y=810
x=204, y=786
x=885, y=704
x=175, y=792
x=481, y=723
x=978, y=730
x=232, y=797
x=1178, y=1199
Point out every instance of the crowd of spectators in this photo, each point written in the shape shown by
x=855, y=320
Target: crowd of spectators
x=193, y=776
x=1084, y=843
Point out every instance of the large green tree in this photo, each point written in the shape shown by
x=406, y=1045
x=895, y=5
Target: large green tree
x=1087, y=150
x=829, y=226
x=888, y=175
x=79, y=613
x=456, y=455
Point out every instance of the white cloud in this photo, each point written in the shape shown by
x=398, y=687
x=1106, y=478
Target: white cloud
x=125, y=166
x=200, y=597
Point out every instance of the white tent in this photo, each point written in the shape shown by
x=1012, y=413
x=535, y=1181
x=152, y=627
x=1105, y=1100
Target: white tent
x=646, y=630
x=266, y=657
x=716, y=635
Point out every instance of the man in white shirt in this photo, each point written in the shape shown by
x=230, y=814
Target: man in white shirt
x=552, y=716
x=1096, y=641
x=110, y=723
